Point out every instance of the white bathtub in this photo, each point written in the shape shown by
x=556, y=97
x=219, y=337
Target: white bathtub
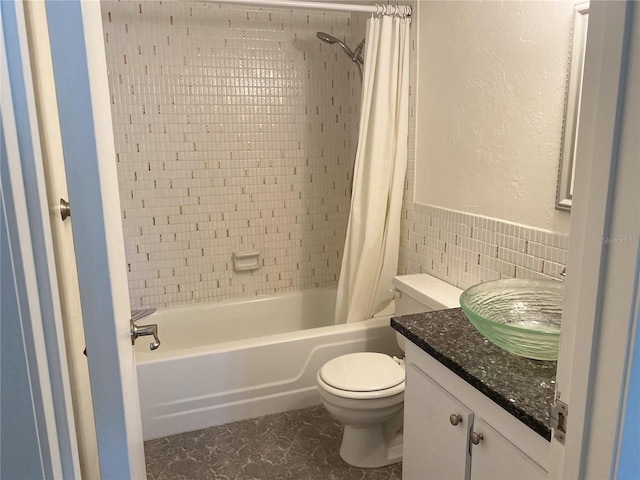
x=240, y=359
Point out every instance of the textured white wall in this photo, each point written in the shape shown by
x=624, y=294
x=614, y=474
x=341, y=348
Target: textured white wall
x=490, y=105
x=465, y=248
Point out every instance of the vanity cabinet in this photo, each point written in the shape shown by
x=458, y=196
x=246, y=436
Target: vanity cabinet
x=495, y=457
x=452, y=431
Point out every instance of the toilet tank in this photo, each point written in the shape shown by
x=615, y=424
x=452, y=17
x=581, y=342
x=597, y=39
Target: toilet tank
x=422, y=293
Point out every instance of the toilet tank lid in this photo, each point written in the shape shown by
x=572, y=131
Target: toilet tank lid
x=431, y=291
x=362, y=372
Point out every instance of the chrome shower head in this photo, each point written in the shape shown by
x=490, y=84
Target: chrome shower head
x=325, y=37
x=354, y=56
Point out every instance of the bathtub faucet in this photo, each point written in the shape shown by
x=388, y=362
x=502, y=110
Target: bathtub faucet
x=142, y=330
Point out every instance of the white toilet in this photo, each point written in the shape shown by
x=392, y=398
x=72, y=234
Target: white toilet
x=365, y=391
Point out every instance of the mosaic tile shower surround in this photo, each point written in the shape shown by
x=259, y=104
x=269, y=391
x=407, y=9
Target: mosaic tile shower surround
x=462, y=248
x=235, y=130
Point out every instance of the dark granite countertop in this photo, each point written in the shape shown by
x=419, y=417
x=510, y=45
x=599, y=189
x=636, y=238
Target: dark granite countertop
x=523, y=387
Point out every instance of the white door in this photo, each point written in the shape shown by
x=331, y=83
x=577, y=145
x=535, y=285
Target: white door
x=82, y=93
x=46, y=110
x=602, y=270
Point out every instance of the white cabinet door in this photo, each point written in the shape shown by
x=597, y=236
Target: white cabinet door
x=433, y=447
x=495, y=458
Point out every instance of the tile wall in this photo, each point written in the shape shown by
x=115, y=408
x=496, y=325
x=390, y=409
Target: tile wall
x=235, y=130
x=463, y=248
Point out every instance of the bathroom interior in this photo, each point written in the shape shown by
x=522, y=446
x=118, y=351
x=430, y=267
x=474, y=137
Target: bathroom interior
x=236, y=128
x=235, y=131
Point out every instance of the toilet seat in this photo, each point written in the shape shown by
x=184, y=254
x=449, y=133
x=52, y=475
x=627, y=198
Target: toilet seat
x=362, y=375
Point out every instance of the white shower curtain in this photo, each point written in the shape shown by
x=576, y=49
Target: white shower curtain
x=371, y=249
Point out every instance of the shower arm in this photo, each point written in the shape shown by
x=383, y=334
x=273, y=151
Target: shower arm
x=355, y=54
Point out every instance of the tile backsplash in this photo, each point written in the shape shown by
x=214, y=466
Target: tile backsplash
x=235, y=130
x=464, y=249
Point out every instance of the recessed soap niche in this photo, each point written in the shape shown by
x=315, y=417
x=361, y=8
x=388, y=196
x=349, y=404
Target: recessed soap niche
x=246, y=260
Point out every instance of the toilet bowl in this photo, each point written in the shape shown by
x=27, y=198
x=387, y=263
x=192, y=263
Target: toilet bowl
x=365, y=392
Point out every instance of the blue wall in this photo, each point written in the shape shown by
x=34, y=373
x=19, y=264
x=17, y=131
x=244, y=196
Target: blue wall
x=629, y=461
x=19, y=445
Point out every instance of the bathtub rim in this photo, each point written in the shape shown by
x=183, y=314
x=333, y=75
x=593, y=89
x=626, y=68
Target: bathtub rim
x=205, y=305
x=149, y=357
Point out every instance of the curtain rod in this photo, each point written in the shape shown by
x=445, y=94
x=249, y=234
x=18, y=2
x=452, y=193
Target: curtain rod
x=345, y=7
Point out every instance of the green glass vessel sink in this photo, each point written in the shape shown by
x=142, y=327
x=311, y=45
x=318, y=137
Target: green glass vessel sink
x=519, y=315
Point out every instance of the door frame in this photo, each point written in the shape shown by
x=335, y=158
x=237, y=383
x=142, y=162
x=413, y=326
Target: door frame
x=62, y=233
x=601, y=284
x=82, y=91
x=26, y=216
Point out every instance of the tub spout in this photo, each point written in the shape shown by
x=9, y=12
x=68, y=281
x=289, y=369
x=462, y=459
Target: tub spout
x=143, y=330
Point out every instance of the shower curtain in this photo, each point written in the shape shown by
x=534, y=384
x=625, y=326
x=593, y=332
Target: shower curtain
x=370, y=258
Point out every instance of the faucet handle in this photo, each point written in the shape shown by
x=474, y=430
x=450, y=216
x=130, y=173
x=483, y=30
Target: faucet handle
x=142, y=330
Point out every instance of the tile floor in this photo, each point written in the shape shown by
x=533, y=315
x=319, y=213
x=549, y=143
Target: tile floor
x=297, y=445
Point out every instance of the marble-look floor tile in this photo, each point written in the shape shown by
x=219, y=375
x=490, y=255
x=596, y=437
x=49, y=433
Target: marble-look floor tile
x=297, y=445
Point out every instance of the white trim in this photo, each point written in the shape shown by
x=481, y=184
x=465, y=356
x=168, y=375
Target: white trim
x=66, y=274
x=620, y=294
x=594, y=331
x=56, y=356
x=77, y=47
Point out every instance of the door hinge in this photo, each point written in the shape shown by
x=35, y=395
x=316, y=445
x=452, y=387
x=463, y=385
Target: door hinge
x=559, y=414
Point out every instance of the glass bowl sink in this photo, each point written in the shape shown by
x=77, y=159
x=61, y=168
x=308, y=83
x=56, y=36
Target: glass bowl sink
x=519, y=315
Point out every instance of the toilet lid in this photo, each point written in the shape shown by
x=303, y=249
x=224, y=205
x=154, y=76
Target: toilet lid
x=362, y=372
